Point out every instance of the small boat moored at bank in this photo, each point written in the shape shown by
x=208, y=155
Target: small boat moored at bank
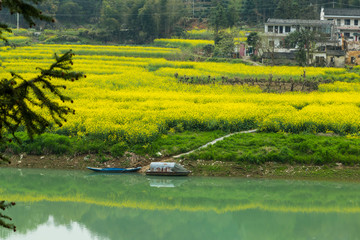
x=167, y=169
x=114, y=170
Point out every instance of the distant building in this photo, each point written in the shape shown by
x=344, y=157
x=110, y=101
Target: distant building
x=276, y=30
x=347, y=21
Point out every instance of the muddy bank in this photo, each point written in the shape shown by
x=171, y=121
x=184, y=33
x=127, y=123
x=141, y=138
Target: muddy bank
x=198, y=168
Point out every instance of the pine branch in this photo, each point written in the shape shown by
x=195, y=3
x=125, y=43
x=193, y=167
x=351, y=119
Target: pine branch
x=19, y=99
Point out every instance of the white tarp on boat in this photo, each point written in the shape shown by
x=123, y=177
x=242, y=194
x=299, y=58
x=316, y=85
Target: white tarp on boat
x=167, y=167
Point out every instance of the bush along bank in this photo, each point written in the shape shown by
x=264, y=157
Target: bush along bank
x=252, y=148
x=165, y=145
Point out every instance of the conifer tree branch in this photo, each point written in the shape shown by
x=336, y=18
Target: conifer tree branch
x=21, y=100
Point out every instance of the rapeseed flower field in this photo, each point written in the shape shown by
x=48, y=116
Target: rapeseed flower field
x=131, y=94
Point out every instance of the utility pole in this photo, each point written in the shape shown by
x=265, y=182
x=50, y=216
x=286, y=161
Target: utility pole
x=17, y=21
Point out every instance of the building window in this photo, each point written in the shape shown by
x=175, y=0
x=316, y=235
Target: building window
x=287, y=29
x=352, y=60
x=276, y=29
x=338, y=21
x=347, y=35
x=356, y=22
x=270, y=29
x=347, y=21
x=281, y=29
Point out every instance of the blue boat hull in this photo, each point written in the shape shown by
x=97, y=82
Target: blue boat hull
x=114, y=170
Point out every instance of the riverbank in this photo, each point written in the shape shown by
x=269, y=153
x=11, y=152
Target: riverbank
x=246, y=154
x=335, y=172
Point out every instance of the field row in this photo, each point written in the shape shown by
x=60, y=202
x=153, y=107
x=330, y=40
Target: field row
x=152, y=58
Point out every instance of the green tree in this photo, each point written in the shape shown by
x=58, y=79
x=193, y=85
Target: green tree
x=286, y=9
x=113, y=19
x=218, y=18
x=254, y=40
x=304, y=40
x=225, y=45
x=307, y=10
x=19, y=96
x=249, y=12
x=70, y=12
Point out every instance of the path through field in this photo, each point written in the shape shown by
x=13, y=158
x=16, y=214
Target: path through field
x=213, y=142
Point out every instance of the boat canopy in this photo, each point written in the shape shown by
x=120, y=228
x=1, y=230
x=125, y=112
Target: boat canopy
x=167, y=167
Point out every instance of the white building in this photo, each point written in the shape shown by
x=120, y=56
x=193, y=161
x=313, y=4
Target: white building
x=276, y=30
x=347, y=21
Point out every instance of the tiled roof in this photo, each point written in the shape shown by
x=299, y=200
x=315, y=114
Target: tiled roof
x=299, y=22
x=342, y=12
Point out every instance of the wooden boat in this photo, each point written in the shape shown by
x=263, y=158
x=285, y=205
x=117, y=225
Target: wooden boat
x=167, y=169
x=114, y=170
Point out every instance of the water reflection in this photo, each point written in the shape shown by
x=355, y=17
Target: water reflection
x=166, y=182
x=54, y=231
x=74, y=205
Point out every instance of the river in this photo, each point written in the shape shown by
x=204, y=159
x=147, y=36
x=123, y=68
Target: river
x=56, y=204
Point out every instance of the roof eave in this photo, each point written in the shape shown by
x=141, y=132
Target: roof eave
x=340, y=16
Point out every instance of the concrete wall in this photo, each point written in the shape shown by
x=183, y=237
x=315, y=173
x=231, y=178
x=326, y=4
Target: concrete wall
x=352, y=58
x=337, y=61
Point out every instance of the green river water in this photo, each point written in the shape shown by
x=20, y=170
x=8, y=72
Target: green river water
x=52, y=204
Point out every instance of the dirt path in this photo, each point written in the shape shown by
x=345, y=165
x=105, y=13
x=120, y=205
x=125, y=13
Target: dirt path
x=213, y=142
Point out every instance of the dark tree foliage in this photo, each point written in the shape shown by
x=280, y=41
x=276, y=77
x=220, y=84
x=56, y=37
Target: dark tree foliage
x=253, y=40
x=19, y=96
x=286, y=9
x=249, y=12
x=257, y=11
x=304, y=40
x=225, y=45
x=218, y=20
x=140, y=21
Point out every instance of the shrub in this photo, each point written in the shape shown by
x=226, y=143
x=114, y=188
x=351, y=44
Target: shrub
x=119, y=149
x=49, y=144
